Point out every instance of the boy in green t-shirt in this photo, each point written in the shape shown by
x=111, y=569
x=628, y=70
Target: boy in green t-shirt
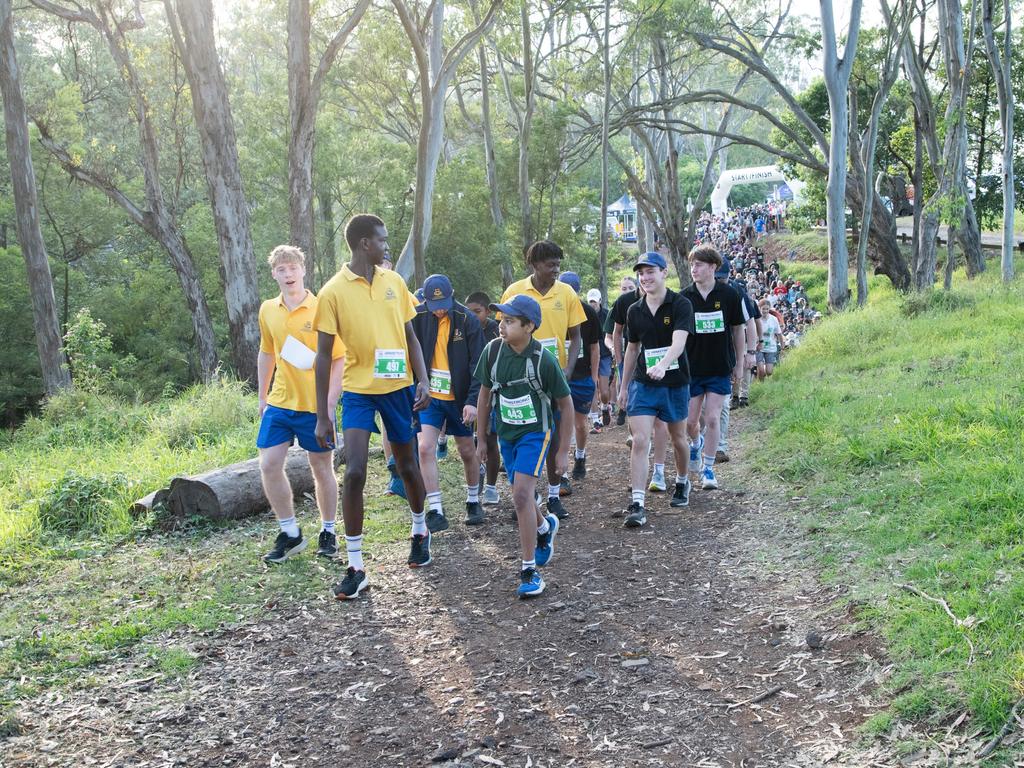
x=525, y=381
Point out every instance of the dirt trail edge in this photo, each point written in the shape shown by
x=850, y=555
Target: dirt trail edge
x=684, y=643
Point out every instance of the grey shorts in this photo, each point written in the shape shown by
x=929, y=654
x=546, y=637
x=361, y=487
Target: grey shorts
x=769, y=358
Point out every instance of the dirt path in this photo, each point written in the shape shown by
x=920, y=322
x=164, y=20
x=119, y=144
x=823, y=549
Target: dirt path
x=648, y=648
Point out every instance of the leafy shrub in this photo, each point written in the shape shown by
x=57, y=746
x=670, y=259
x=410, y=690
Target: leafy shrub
x=81, y=504
x=202, y=414
x=94, y=364
x=914, y=304
x=77, y=417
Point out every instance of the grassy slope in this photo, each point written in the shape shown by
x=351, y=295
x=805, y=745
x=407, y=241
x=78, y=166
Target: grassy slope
x=903, y=424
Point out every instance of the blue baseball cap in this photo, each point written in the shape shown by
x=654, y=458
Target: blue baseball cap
x=520, y=306
x=572, y=280
x=650, y=259
x=438, y=293
x=723, y=271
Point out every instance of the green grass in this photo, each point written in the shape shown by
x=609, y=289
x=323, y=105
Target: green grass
x=812, y=244
x=903, y=422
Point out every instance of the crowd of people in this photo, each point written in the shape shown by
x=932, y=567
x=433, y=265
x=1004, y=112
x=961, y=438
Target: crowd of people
x=519, y=392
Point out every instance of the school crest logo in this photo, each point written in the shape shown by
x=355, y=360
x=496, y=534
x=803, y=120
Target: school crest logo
x=718, y=305
x=389, y=294
x=668, y=321
x=558, y=304
x=458, y=335
x=308, y=326
x=438, y=293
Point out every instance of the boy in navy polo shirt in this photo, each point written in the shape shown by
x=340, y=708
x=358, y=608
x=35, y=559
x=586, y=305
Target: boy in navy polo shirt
x=655, y=375
x=525, y=381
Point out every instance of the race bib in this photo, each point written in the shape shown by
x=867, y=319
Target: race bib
x=551, y=345
x=389, y=364
x=440, y=381
x=654, y=356
x=579, y=356
x=709, y=322
x=517, y=410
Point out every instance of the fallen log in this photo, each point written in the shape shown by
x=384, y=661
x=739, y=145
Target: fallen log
x=235, y=491
x=147, y=503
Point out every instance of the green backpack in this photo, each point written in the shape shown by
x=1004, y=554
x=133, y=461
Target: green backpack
x=532, y=378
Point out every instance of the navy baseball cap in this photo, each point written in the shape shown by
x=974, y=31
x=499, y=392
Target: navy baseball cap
x=520, y=306
x=438, y=293
x=723, y=271
x=650, y=259
x=572, y=280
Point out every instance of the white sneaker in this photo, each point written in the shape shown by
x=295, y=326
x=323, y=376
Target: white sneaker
x=657, y=481
x=490, y=497
x=708, y=481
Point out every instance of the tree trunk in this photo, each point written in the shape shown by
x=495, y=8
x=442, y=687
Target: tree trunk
x=193, y=27
x=947, y=280
x=837, y=77
x=605, y=106
x=491, y=166
x=525, y=211
x=301, y=124
x=30, y=236
x=1000, y=63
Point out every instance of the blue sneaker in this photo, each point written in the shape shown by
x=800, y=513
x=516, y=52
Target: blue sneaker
x=708, y=482
x=531, y=583
x=442, y=449
x=546, y=542
x=396, y=487
x=695, y=455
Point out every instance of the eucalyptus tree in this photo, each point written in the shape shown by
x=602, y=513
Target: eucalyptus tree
x=999, y=60
x=157, y=215
x=30, y=235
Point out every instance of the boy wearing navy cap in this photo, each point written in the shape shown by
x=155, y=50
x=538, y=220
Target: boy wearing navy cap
x=450, y=337
x=520, y=381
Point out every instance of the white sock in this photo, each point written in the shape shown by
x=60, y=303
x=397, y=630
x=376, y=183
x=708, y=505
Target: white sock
x=529, y=564
x=490, y=488
x=542, y=529
x=681, y=479
x=709, y=461
x=659, y=469
x=289, y=526
x=434, y=501
x=354, y=549
x=553, y=491
x=472, y=494
x=581, y=454
x=419, y=523
x=638, y=497
x=327, y=525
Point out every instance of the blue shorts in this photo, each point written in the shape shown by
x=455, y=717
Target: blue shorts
x=717, y=385
x=668, y=404
x=582, y=391
x=604, y=366
x=445, y=412
x=359, y=411
x=280, y=425
x=527, y=455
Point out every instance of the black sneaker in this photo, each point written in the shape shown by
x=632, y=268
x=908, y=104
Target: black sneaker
x=681, y=498
x=474, y=513
x=606, y=416
x=436, y=521
x=327, y=545
x=579, y=469
x=555, y=508
x=350, y=586
x=419, y=551
x=284, y=547
x=621, y=418
x=744, y=402
x=636, y=516
x=564, y=487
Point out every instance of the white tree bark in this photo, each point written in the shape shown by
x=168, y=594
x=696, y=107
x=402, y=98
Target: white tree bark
x=193, y=27
x=837, y=79
x=30, y=235
x=1000, y=61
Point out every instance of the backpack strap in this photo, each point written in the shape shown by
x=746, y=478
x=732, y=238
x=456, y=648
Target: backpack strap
x=534, y=379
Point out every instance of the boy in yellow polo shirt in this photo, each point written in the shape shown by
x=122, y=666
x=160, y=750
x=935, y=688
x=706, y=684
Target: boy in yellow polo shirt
x=370, y=310
x=561, y=317
x=287, y=342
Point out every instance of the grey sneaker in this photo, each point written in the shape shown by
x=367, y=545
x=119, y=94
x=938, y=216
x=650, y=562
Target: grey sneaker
x=490, y=497
x=436, y=521
x=681, y=498
x=657, y=481
x=636, y=516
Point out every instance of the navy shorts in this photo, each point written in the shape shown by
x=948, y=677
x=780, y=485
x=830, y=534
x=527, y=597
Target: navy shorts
x=527, y=455
x=668, y=404
x=359, y=411
x=717, y=385
x=582, y=391
x=604, y=366
x=445, y=412
x=280, y=425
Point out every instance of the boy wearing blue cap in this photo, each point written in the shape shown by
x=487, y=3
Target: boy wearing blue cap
x=450, y=337
x=519, y=382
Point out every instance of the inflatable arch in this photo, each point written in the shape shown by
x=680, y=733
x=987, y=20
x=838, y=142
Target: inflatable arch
x=730, y=179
